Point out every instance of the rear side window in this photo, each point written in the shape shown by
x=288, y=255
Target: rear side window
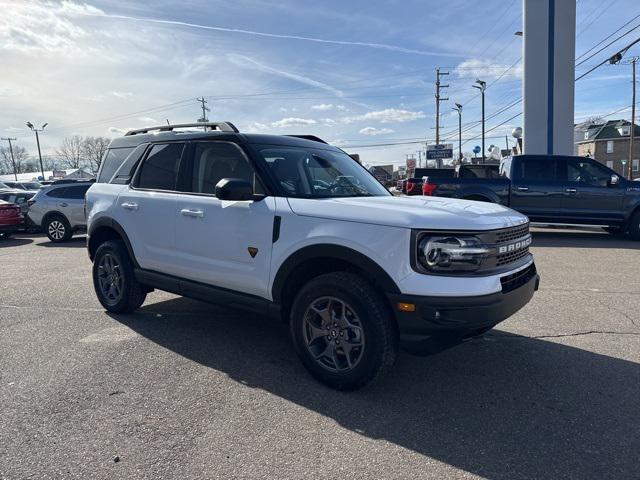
x=537, y=169
x=159, y=170
x=57, y=192
x=76, y=192
x=111, y=162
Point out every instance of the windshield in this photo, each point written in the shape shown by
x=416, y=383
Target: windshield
x=31, y=185
x=317, y=173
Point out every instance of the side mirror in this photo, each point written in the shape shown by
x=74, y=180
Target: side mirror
x=234, y=189
x=615, y=179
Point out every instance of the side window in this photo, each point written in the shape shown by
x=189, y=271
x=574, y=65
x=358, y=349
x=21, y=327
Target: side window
x=125, y=172
x=76, y=192
x=213, y=161
x=57, y=192
x=159, y=170
x=111, y=162
x=537, y=169
x=587, y=172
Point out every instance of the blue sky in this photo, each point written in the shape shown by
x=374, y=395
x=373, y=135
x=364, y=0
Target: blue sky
x=356, y=73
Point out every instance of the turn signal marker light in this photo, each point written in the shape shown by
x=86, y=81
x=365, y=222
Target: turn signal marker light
x=406, y=307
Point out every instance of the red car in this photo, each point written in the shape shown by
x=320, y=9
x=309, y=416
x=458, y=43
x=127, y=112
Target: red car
x=11, y=219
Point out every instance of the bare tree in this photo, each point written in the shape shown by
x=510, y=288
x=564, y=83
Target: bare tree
x=71, y=152
x=20, y=156
x=94, y=149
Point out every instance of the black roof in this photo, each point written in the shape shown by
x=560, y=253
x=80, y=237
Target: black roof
x=247, y=138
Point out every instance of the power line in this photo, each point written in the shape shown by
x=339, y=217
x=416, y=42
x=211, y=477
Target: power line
x=609, y=44
x=604, y=9
x=618, y=53
x=607, y=37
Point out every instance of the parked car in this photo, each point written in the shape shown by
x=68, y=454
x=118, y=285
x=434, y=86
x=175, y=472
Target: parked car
x=29, y=186
x=59, y=210
x=238, y=219
x=554, y=190
x=10, y=219
x=19, y=197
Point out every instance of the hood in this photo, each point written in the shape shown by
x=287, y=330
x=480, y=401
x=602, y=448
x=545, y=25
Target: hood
x=435, y=213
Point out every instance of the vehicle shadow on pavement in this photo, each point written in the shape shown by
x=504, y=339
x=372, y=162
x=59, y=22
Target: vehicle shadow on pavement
x=15, y=242
x=74, y=242
x=503, y=407
x=582, y=239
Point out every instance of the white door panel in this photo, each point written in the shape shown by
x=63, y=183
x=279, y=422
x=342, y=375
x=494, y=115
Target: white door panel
x=213, y=238
x=149, y=220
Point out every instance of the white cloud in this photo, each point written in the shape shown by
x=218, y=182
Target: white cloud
x=293, y=122
x=122, y=94
x=388, y=115
x=323, y=107
x=255, y=127
x=47, y=26
x=372, y=131
x=148, y=120
x=379, y=46
x=487, y=70
x=247, y=62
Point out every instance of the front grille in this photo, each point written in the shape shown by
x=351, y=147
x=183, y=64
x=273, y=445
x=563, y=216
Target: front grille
x=516, y=280
x=512, y=233
x=507, y=258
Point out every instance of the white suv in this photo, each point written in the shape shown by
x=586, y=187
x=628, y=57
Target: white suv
x=295, y=228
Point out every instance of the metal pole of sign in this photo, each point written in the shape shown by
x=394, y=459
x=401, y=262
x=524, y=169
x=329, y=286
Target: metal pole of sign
x=632, y=131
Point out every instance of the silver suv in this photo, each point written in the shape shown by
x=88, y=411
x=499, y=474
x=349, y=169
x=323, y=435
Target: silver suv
x=59, y=210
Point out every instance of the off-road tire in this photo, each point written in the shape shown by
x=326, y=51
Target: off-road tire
x=634, y=226
x=132, y=294
x=379, y=329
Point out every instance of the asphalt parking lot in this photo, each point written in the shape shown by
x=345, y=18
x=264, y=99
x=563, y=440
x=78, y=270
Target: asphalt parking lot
x=182, y=389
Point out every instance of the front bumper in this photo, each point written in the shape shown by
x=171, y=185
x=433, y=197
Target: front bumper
x=460, y=316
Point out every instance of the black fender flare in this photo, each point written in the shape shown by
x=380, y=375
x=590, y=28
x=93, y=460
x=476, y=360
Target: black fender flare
x=346, y=254
x=109, y=222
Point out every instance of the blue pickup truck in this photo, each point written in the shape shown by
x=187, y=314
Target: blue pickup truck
x=553, y=190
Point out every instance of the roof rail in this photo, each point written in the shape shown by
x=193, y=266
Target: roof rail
x=313, y=138
x=221, y=126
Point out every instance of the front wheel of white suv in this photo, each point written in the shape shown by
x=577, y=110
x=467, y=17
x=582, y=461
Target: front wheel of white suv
x=342, y=331
x=113, y=279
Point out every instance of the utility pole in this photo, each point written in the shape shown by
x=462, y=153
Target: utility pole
x=506, y=139
x=482, y=86
x=438, y=100
x=13, y=160
x=205, y=109
x=632, y=131
x=459, y=110
x=34, y=129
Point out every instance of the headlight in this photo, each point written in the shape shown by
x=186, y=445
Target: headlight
x=451, y=253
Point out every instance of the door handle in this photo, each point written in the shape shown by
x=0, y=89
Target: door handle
x=571, y=190
x=130, y=205
x=192, y=212
x=63, y=204
x=522, y=189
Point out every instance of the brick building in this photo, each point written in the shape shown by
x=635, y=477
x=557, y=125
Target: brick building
x=609, y=144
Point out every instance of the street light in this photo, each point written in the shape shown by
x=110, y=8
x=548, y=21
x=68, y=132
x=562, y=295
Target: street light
x=459, y=110
x=482, y=86
x=36, y=130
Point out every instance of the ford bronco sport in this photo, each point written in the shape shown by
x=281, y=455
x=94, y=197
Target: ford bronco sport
x=293, y=227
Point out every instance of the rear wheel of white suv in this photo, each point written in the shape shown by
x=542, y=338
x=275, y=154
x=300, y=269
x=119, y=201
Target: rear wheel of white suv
x=342, y=331
x=113, y=279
